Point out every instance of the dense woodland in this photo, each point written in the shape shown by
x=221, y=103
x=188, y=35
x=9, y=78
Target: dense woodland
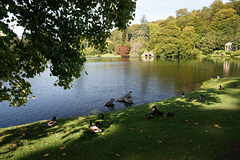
x=199, y=32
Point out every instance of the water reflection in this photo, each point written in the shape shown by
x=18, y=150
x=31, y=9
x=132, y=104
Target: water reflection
x=108, y=78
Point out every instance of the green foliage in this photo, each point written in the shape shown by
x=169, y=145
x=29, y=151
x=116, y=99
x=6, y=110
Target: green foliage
x=223, y=18
x=111, y=48
x=236, y=53
x=118, y=48
x=219, y=52
x=189, y=34
x=54, y=32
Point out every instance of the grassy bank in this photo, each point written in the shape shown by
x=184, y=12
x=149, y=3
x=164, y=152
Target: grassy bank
x=108, y=55
x=200, y=130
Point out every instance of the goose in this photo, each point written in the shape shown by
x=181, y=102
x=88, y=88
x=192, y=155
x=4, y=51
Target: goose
x=110, y=103
x=182, y=96
x=128, y=100
x=52, y=122
x=94, y=129
x=202, y=98
x=101, y=116
x=157, y=111
x=221, y=88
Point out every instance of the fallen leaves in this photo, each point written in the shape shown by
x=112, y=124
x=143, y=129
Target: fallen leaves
x=217, y=126
x=159, y=141
x=62, y=147
x=45, y=155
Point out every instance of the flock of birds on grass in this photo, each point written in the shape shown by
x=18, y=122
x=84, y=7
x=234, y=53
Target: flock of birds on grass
x=127, y=99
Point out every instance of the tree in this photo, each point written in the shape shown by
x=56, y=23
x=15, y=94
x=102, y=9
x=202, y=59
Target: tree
x=111, y=48
x=223, y=17
x=53, y=31
x=144, y=32
x=182, y=12
x=118, y=48
x=125, y=50
x=216, y=6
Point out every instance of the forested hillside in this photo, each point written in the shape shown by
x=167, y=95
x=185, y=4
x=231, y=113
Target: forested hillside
x=192, y=33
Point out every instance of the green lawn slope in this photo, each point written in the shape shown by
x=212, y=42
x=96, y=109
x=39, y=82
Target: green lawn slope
x=200, y=131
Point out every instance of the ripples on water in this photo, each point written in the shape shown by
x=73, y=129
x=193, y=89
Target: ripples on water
x=109, y=78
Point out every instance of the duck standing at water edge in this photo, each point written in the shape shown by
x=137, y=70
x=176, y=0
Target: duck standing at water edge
x=52, y=122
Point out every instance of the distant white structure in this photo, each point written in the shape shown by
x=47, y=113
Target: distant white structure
x=147, y=54
x=228, y=46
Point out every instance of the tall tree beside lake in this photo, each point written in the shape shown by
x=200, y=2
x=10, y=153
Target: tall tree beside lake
x=53, y=31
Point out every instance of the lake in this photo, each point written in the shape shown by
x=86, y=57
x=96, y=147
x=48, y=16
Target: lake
x=149, y=80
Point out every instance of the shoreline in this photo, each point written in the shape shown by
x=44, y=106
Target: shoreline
x=203, y=86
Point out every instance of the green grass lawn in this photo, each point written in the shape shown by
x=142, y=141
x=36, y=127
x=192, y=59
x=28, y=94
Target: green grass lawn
x=107, y=55
x=199, y=131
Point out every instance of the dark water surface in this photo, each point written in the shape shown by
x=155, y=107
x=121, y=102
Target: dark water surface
x=149, y=81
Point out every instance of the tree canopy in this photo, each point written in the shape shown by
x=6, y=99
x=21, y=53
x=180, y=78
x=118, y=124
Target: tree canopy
x=53, y=32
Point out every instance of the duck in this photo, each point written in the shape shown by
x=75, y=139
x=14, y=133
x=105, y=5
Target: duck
x=52, y=122
x=235, y=85
x=128, y=95
x=110, y=103
x=128, y=100
x=150, y=115
x=190, y=99
x=157, y=111
x=221, y=88
x=101, y=116
x=202, y=98
x=94, y=129
x=122, y=99
x=170, y=114
x=182, y=96
x=98, y=124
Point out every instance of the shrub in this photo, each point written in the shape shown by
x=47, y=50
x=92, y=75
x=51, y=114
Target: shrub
x=236, y=53
x=219, y=52
x=125, y=50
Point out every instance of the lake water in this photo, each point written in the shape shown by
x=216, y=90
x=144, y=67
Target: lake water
x=149, y=80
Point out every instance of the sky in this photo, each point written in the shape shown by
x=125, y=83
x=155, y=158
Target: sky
x=161, y=9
